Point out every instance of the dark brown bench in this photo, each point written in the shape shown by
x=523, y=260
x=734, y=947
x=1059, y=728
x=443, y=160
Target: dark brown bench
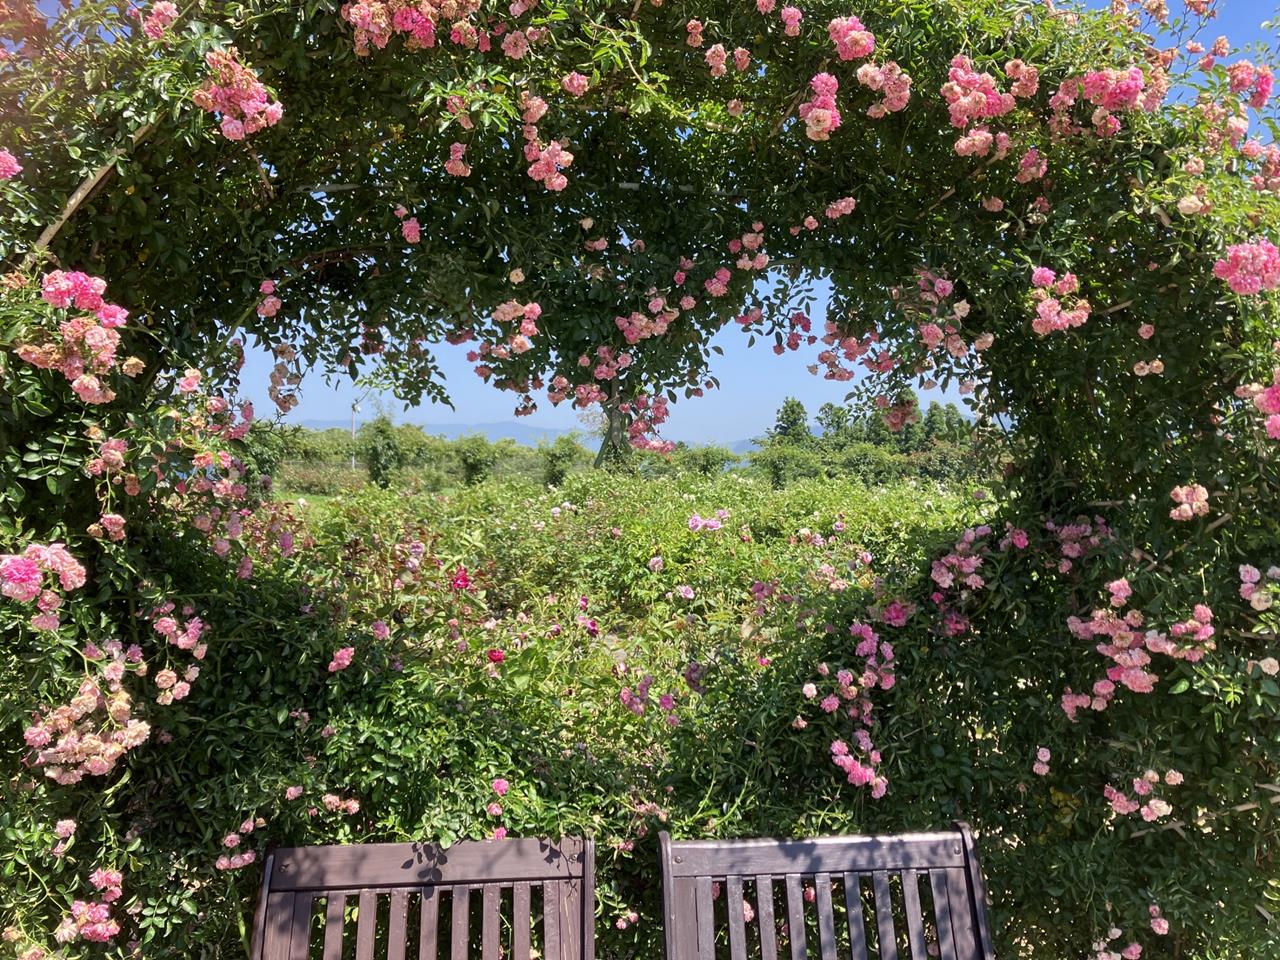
x=845, y=894
x=407, y=897
x=857, y=897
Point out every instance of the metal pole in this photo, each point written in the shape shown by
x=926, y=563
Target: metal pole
x=355, y=407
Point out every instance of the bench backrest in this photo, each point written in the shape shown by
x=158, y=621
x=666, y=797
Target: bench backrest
x=420, y=901
x=829, y=897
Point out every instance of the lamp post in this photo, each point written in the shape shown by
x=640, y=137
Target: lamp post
x=355, y=408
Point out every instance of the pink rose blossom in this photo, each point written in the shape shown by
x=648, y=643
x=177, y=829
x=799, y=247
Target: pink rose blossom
x=9, y=165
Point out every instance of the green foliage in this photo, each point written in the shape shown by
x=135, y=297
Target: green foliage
x=418, y=726
x=379, y=448
x=326, y=479
x=265, y=448
x=791, y=426
x=945, y=423
x=873, y=463
x=1158, y=394
x=783, y=463
x=476, y=455
x=707, y=460
x=421, y=448
x=938, y=447
x=836, y=422
x=559, y=457
x=333, y=445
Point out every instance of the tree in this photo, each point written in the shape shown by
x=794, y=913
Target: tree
x=708, y=460
x=420, y=448
x=878, y=432
x=934, y=424
x=958, y=428
x=476, y=455
x=874, y=464
x=836, y=422
x=333, y=445
x=559, y=457
x=791, y=426
x=379, y=449
x=265, y=447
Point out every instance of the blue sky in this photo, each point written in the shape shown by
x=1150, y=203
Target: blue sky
x=753, y=381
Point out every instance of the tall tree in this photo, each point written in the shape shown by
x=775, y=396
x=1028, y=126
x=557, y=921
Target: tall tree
x=835, y=421
x=791, y=426
x=935, y=423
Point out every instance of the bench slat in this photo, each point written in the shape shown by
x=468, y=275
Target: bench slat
x=942, y=915
x=795, y=916
x=428, y=923
x=334, y=908
x=278, y=922
x=300, y=942
x=915, y=914
x=490, y=917
x=737, y=922
x=366, y=924
x=961, y=916
x=764, y=919
x=820, y=855
x=978, y=890
x=260, y=911
x=550, y=921
x=571, y=920
x=706, y=920
x=826, y=916
x=587, y=907
x=461, y=922
x=397, y=925
x=425, y=864
x=686, y=933
x=854, y=915
x=520, y=922
x=886, y=936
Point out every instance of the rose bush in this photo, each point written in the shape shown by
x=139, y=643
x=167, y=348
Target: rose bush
x=402, y=659
x=1069, y=214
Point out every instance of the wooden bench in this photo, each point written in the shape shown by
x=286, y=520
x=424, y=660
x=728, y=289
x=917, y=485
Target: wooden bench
x=840, y=893
x=405, y=896
x=851, y=897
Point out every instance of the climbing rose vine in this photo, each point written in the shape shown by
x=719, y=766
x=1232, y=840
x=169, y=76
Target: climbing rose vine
x=1067, y=216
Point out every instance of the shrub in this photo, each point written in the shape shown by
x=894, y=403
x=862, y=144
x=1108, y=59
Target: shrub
x=325, y=479
x=559, y=457
x=707, y=460
x=379, y=448
x=872, y=463
x=476, y=455
x=785, y=464
x=421, y=449
x=317, y=446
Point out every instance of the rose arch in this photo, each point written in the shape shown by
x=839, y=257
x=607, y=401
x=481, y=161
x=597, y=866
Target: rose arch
x=1065, y=213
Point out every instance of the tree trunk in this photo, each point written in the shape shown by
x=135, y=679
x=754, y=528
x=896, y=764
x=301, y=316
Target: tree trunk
x=613, y=445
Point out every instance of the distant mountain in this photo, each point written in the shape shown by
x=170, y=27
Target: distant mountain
x=501, y=430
